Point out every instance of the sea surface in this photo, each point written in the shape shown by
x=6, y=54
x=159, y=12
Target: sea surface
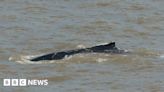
x=34, y=27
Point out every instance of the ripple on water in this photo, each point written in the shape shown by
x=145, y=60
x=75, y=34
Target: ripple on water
x=3, y=66
x=97, y=4
x=8, y=17
x=35, y=8
x=57, y=78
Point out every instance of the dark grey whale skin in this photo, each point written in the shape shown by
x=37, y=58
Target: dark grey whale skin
x=107, y=48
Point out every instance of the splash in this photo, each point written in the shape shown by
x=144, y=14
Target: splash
x=100, y=60
x=25, y=59
x=82, y=58
x=162, y=56
x=81, y=46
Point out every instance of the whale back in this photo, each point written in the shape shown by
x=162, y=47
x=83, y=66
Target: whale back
x=110, y=46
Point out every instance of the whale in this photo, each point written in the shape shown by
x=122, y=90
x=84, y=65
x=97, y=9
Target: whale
x=109, y=48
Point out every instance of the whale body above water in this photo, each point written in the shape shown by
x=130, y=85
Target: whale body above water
x=106, y=48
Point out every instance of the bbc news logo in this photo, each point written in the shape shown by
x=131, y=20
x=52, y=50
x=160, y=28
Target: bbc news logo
x=24, y=82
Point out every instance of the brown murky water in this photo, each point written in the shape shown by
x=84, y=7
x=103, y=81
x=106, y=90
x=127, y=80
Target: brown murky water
x=32, y=27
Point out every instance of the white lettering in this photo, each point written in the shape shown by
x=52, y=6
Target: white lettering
x=6, y=82
x=22, y=82
x=14, y=82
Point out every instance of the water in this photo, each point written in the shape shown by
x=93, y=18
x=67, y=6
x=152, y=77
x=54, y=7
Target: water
x=33, y=27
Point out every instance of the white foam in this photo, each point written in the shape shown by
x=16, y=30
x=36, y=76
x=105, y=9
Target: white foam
x=101, y=60
x=80, y=46
x=24, y=59
x=67, y=57
x=161, y=56
x=10, y=58
x=103, y=43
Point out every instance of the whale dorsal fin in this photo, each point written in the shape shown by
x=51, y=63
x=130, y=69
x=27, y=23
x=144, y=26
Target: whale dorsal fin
x=111, y=45
x=108, y=46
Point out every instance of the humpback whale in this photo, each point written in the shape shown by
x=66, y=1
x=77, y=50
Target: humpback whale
x=106, y=48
